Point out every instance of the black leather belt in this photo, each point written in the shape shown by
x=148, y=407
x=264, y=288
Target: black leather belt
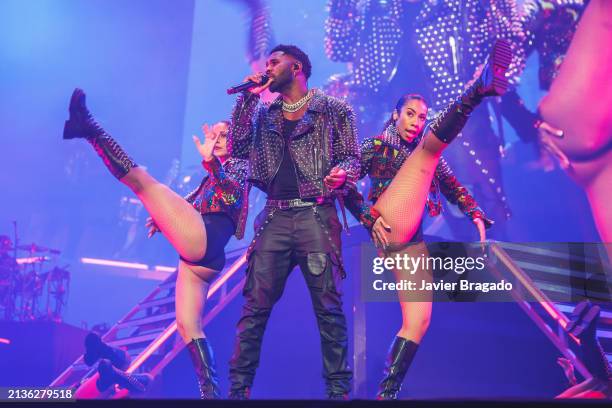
x=296, y=203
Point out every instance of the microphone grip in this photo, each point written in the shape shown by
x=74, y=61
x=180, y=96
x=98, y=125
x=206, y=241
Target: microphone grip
x=246, y=85
x=242, y=87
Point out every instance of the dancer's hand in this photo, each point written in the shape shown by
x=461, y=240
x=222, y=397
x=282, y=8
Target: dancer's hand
x=336, y=178
x=152, y=226
x=257, y=79
x=207, y=148
x=380, y=229
x=480, y=225
x=549, y=151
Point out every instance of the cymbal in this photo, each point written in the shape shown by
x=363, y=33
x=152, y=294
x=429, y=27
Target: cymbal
x=37, y=248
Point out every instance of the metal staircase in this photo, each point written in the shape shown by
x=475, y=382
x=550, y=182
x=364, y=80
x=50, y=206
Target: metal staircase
x=558, y=276
x=148, y=332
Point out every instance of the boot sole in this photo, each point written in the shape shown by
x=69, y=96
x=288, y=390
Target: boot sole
x=72, y=130
x=500, y=59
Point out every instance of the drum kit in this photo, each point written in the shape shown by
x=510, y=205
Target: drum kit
x=30, y=289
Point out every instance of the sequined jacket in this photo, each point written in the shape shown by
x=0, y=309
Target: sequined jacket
x=324, y=138
x=381, y=159
x=223, y=190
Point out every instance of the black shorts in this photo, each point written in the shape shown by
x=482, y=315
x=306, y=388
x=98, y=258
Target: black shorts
x=219, y=230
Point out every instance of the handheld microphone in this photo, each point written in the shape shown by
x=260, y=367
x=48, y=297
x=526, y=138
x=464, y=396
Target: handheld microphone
x=247, y=85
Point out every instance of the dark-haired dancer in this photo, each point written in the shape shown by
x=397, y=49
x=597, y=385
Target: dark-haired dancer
x=303, y=150
x=383, y=155
x=402, y=163
x=198, y=226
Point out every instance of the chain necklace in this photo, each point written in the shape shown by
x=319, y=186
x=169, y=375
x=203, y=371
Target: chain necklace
x=294, y=107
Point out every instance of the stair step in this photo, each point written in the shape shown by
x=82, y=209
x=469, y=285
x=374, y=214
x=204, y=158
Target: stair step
x=568, y=309
x=558, y=293
x=557, y=251
x=134, y=340
x=563, y=272
x=147, y=320
x=604, y=334
x=80, y=367
x=157, y=302
x=168, y=285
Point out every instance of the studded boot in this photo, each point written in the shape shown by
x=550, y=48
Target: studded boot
x=109, y=375
x=81, y=124
x=492, y=81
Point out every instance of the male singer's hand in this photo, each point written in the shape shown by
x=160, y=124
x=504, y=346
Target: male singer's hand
x=257, y=79
x=336, y=178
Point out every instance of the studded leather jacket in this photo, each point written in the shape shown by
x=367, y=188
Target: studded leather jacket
x=453, y=37
x=324, y=138
x=381, y=159
x=223, y=190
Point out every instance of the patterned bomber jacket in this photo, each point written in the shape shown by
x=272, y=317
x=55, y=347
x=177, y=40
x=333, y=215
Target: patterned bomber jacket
x=324, y=138
x=223, y=190
x=382, y=157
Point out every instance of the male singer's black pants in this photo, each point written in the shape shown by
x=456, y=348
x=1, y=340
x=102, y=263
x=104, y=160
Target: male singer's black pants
x=308, y=237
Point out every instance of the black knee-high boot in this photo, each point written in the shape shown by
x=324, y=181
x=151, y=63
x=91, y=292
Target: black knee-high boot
x=400, y=356
x=81, y=124
x=491, y=82
x=204, y=363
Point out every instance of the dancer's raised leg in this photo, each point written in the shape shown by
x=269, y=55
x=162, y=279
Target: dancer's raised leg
x=402, y=203
x=176, y=218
